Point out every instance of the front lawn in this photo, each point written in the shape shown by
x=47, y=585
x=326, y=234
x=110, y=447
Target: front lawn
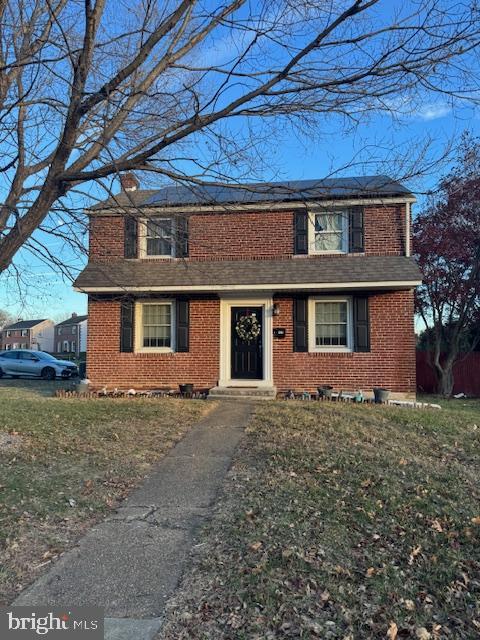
x=65, y=463
x=343, y=522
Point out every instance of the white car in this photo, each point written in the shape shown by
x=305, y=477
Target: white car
x=22, y=362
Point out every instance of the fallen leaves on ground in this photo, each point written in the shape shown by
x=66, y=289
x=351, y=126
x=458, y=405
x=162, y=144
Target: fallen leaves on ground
x=341, y=523
x=75, y=459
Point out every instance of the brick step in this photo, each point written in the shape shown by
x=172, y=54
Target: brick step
x=254, y=393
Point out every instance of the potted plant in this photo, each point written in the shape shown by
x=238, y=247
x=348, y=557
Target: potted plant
x=186, y=389
x=381, y=395
x=325, y=391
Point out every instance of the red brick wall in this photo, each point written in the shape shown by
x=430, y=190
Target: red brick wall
x=238, y=236
x=384, y=228
x=106, y=238
x=390, y=362
x=16, y=338
x=249, y=235
x=69, y=333
x=106, y=365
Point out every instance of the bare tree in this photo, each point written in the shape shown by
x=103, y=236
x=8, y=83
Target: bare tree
x=5, y=319
x=92, y=88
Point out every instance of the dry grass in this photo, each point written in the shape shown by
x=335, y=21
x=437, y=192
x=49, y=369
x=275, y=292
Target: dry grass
x=73, y=461
x=343, y=522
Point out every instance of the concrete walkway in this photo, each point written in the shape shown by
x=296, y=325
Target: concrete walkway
x=132, y=562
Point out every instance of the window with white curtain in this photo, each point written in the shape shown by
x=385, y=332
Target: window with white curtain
x=328, y=231
x=159, y=237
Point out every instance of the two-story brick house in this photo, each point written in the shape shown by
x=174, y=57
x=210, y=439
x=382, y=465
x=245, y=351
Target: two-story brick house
x=71, y=335
x=276, y=286
x=28, y=334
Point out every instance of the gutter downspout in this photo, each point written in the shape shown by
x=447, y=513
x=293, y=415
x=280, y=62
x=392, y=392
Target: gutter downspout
x=407, y=228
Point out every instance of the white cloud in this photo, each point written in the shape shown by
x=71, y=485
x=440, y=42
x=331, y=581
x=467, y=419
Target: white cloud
x=433, y=110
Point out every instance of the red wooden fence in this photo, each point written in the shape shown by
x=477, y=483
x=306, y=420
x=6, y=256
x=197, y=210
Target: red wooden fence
x=466, y=374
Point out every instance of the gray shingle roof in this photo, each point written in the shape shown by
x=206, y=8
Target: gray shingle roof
x=72, y=320
x=23, y=324
x=290, y=191
x=294, y=271
x=125, y=199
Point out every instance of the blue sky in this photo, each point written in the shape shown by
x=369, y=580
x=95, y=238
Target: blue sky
x=288, y=155
x=293, y=157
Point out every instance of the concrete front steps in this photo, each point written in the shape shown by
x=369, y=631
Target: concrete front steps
x=243, y=393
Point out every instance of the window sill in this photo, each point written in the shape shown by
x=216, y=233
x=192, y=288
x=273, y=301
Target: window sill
x=159, y=257
x=330, y=352
x=155, y=350
x=328, y=253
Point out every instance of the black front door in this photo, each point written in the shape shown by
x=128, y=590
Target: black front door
x=247, y=340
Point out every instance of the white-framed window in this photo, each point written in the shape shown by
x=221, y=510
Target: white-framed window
x=66, y=346
x=60, y=330
x=328, y=231
x=24, y=333
x=154, y=326
x=15, y=345
x=158, y=238
x=24, y=345
x=73, y=347
x=9, y=334
x=8, y=347
x=330, y=324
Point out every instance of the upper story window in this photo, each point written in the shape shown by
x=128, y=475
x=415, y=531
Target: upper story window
x=158, y=238
x=328, y=232
x=24, y=333
x=9, y=334
x=331, y=324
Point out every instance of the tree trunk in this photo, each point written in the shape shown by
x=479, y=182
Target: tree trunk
x=445, y=380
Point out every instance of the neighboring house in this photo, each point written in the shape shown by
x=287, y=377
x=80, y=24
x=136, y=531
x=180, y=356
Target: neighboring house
x=277, y=286
x=28, y=334
x=71, y=335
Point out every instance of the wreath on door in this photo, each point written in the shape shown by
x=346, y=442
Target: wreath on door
x=248, y=327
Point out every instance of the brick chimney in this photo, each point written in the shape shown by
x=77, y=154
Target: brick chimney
x=74, y=315
x=129, y=182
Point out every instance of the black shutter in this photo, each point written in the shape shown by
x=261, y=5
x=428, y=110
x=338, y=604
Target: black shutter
x=130, y=237
x=127, y=309
x=182, y=321
x=300, y=230
x=361, y=323
x=181, y=249
x=300, y=324
x=356, y=242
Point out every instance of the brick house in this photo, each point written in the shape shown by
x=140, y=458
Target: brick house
x=276, y=286
x=28, y=334
x=71, y=335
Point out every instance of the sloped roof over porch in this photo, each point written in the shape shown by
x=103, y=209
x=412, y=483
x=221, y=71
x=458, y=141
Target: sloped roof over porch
x=309, y=273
